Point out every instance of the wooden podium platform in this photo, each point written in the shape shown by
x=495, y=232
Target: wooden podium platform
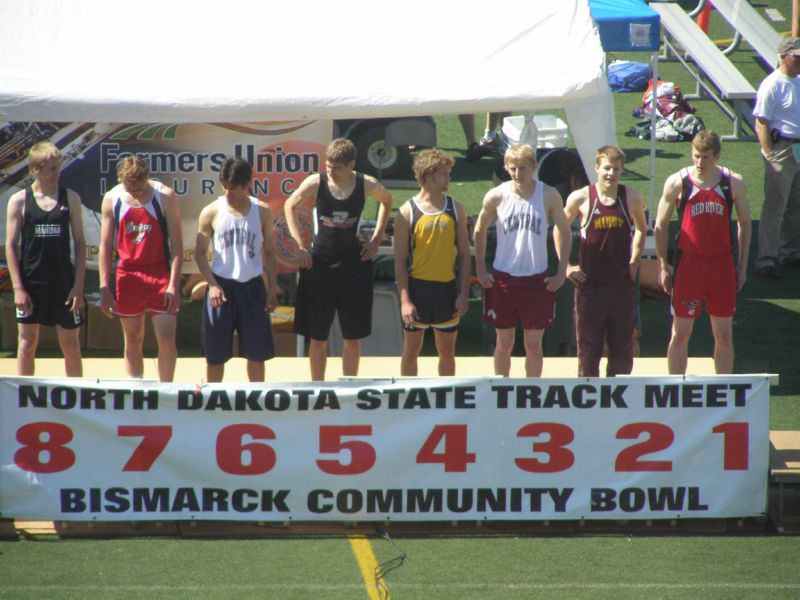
x=293, y=369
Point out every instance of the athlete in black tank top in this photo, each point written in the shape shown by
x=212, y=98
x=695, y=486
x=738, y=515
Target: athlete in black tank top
x=45, y=244
x=336, y=221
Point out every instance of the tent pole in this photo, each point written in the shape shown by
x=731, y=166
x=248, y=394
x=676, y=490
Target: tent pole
x=653, y=120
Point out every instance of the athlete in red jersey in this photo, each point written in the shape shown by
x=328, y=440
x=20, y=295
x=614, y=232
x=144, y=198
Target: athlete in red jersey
x=142, y=222
x=704, y=271
x=613, y=228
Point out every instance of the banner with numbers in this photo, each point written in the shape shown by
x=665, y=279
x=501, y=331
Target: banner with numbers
x=397, y=449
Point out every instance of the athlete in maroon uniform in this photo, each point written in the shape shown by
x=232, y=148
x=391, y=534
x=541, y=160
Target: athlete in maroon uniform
x=613, y=228
x=142, y=222
x=704, y=270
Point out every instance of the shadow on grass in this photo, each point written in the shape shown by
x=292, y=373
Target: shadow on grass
x=762, y=343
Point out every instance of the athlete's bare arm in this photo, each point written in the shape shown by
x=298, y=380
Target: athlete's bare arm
x=666, y=206
x=464, y=260
x=172, y=297
x=268, y=257
x=408, y=311
x=374, y=189
x=636, y=208
x=562, y=237
x=742, y=206
x=577, y=206
x=14, y=216
x=75, y=296
x=106, y=255
x=205, y=233
x=305, y=192
x=485, y=219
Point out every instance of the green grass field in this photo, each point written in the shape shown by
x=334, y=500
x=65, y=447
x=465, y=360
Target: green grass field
x=489, y=566
x=441, y=568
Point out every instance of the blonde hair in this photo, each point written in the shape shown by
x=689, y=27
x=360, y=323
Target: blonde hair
x=40, y=153
x=341, y=151
x=132, y=169
x=520, y=152
x=427, y=162
x=611, y=152
x=707, y=140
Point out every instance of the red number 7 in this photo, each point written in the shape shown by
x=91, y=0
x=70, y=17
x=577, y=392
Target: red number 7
x=154, y=439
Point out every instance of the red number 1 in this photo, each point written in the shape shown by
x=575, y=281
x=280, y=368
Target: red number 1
x=736, y=438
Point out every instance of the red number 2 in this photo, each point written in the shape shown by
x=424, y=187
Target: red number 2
x=660, y=438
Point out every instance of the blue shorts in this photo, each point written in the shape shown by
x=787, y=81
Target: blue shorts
x=243, y=312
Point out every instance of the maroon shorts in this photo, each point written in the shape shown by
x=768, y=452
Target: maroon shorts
x=138, y=292
x=709, y=279
x=523, y=299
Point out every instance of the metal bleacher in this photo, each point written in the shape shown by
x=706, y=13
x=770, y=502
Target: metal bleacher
x=685, y=41
x=747, y=21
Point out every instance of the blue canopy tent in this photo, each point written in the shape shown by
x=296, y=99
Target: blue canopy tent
x=632, y=26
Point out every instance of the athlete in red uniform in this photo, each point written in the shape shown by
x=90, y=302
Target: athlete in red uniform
x=704, y=271
x=142, y=222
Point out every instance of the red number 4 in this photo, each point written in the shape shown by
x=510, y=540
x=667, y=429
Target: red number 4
x=454, y=456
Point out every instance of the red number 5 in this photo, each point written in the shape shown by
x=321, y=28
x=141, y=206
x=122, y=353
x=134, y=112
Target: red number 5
x=362, y=454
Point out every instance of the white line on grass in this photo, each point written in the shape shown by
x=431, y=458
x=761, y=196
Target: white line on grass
x=426, y=585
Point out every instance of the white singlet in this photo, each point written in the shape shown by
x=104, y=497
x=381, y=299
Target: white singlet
x=237, y=243
x=521, y=233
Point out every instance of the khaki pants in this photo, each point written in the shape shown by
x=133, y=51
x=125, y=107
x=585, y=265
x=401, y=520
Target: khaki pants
x=779, y=229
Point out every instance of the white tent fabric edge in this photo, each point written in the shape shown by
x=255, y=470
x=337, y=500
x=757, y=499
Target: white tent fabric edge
x=173, y=62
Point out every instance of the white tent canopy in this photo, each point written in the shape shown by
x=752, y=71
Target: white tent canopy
x=249, y=60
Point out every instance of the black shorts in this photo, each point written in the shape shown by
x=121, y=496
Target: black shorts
x=435, y=302
x=334, y=287
x=49, y=308
x=243, y=311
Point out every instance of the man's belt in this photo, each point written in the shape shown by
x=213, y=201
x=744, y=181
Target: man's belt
x=782, y=137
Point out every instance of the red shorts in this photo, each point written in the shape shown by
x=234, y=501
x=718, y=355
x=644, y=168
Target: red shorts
x=519, y=298
x=139, y=291
x=701, y=278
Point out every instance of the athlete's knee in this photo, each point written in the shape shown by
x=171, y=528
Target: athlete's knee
x=533, y=346
x=352, y=345
x=27, y=342
x=504, y=342
x=723, y=337
x=69, y=341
